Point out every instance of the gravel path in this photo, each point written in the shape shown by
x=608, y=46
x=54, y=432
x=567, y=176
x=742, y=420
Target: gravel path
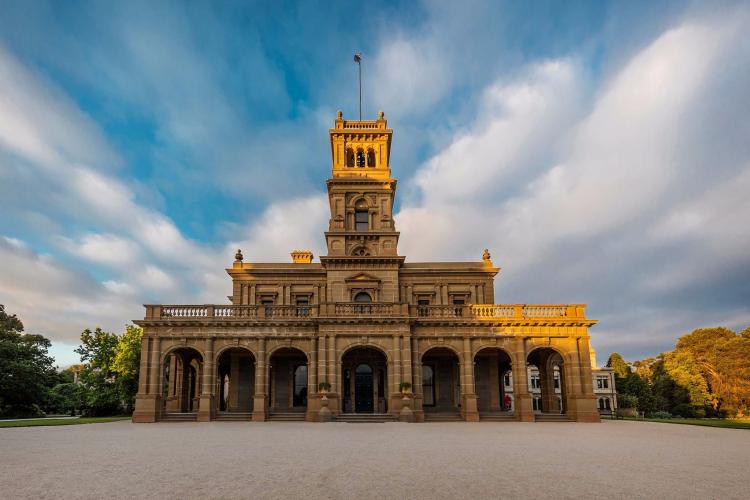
x=338, y=460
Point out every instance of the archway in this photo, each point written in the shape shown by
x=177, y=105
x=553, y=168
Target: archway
x=364, y=381
x=492, y=380
x=287, y=381
x=441, y=381
x=181, y=387
x=547, y=380
x=236, y=380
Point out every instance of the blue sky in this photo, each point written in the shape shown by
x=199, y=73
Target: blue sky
x=599, y=149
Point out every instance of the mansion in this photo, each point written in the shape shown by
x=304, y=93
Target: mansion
x=365, y=334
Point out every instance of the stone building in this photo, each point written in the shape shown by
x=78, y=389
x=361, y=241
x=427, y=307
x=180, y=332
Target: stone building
x=363, y=332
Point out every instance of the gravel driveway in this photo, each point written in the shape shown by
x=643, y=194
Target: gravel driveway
x=613, y=459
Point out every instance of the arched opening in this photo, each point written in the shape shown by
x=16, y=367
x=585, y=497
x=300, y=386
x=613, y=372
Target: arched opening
x=546, y=380
x=360, y=158
x=371, y=158
x=492, y=381
x=349, y=157
x=236, y=381
x=287, y=381
x=364, y=381
x=362, y=297
x=181, y=387
x=441, y=382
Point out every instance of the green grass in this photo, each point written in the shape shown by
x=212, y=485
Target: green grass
x=35, y=422
x=707, y=422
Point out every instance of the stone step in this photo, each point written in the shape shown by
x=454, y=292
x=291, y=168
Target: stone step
x=233, y=416
x=179, y=417
x=551, y=417
x=286, y=417
x=442, y=417
x=497, y=417
x=370, y=418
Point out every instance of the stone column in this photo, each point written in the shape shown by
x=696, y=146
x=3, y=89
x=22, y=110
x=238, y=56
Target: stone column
x=259, y=400
x=469, y=405
x=206, y=408
x=313, y=401
x=522, y=406
x=494, y=384
x=234, y=378
x=416, y=370
x=585, y=400
x=147, y=403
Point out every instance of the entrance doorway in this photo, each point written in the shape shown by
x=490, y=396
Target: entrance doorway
x=364, y=381
x=363, y=389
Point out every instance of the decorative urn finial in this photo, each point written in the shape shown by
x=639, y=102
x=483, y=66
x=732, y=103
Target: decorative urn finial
x=381, y=115
x=238, y=256
x=339, y=114
x=486, y=255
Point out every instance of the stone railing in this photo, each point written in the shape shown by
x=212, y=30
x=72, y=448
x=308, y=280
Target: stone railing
x=230, y=312
x=349, y=309
x=494, y=312
x=360, y=124
x=463, y=312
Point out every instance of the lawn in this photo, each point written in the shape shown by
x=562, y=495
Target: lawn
x=708, y=422
x=34, y=422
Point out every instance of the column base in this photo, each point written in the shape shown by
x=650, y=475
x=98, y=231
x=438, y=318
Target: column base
x=583, y=409
x=206, y=411
x=260, y=408
x=147, y=409
x=469, y=408
x=524, y=409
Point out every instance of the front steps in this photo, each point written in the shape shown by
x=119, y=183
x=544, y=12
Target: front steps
x=179, y=417
x=286, y=416
x=442, y=417
x=551, y=417
x=497, y=416
x=227, y=416
x=364, y=418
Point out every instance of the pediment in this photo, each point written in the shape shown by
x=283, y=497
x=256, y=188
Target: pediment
x=362, y=278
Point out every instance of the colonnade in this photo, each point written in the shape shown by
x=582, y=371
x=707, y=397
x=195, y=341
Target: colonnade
x=188, y=376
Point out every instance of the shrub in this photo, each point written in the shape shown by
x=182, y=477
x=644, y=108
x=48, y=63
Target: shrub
x=404, y=386
x=627, y=401
x=324, y=386
x=661, y=414
x=684, y=410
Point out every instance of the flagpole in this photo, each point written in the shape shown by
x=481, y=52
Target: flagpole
x=358, y=60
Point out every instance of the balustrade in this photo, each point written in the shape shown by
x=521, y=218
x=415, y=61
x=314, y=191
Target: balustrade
x=479, y=312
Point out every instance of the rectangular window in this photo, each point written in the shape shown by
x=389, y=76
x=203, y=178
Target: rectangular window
x=422, y=310
x=557, y=383
x=362, y=220
x=535, y=382
x=303, y=306
x=602, y=383
x=506, y=380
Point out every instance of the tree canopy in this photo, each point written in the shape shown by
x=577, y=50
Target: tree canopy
x=26, y=369
x=708, y=372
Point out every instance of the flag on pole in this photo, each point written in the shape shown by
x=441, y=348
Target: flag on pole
x=357, y=57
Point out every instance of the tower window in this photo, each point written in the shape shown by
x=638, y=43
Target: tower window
x=349, y=157
x=361, y=220
x=360, y=158
x=370, y=158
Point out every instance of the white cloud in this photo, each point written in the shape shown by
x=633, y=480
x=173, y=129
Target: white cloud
x=103, y=248
x=616, y=207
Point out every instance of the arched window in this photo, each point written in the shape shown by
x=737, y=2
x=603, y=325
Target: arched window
x=370, y=158
x=349, y=157
x=360, y=252
x=363, y=369
x=362, y=297
x=360, y=158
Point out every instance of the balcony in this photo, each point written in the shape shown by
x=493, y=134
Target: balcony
x=474, y=313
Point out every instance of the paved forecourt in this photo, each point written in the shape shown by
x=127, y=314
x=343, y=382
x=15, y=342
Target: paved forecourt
x=395, y=460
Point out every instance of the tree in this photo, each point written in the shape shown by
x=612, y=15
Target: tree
x=26, y=369
x=127, y=363
x=620, y=366
x=101, y=393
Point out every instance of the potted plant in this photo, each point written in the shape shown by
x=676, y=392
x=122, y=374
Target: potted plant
x=324, y=414
x=405, y=387
x=324, y=387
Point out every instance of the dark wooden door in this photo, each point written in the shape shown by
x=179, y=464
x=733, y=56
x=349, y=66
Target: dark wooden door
x=363, y=390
